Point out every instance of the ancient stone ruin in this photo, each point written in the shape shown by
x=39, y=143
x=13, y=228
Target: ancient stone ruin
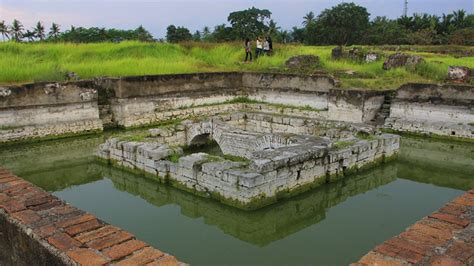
x=247, y=140
x=281, y=155
x=277, y=135
x=402, y=60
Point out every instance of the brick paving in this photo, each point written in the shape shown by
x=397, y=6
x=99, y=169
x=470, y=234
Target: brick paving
x=445, y=237
x=81, y=237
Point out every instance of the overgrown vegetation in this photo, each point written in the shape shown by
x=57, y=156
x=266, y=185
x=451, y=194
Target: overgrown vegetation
x=136, y=136
x=365, y=136
x=28, y=62
x=174, y=157
x=342, y=144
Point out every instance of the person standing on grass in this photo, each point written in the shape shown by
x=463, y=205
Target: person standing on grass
x=270, y=44
x=259, y=49
x=248, y=50
x=266, y=47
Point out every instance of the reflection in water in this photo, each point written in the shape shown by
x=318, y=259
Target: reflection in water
x=257, y=227
x=441, y=163
x=55, y=165
x=350, y=216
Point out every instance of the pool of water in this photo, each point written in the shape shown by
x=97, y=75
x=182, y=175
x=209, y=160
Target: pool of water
x=333, y=225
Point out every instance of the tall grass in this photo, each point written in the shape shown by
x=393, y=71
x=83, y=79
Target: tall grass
x=28, y=62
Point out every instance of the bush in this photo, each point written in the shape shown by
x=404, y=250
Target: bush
x=463, y=37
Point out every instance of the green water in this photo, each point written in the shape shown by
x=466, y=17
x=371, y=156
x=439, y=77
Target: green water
x=333, y=225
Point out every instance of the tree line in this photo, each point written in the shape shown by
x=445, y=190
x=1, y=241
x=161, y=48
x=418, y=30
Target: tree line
x=343, y=24
x=17, y=32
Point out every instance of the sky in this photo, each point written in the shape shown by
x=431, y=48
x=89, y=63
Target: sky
x=156, y=15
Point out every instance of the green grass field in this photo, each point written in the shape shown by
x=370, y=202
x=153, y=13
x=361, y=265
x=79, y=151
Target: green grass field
x=29, y=62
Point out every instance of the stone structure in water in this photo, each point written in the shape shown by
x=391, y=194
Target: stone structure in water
x=266, y=156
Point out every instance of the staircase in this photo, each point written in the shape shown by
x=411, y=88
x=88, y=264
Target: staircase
x=384, y=111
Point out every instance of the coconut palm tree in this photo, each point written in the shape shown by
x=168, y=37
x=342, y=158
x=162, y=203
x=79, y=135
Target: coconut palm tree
x=206, y=33
x=272, y=27
x=309, y=18
x=29, y=35
x=54, y=31
x=285, y=36
x=39, y=31
x=406, y=22
x=16, y=30
x=459, y=18
x=4, y=30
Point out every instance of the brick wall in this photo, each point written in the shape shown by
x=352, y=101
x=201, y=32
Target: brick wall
x=37, y=227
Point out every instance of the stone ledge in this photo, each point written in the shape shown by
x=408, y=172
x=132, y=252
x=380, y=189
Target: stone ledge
x=446, y=237
x=36, y=223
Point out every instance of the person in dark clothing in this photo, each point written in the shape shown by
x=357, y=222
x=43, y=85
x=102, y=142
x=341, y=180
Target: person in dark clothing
x=270, y=44
x=248, y=50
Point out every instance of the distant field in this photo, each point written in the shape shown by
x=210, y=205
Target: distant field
x=25, y=62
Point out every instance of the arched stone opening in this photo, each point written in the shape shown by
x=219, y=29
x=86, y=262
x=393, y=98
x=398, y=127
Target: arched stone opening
x=200, y=140
x=204, y=143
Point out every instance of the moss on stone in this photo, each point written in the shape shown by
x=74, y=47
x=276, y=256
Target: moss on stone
x=174, y=157
x=287, y=193
x=365, y=136
x=33, y=140
x=161, y=123
x=261, y=200
x=431, y=135
x=8, y=127
x=338, y=145
x=139, y=137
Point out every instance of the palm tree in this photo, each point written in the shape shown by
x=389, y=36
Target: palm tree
x=16, y=30
x=206, y=32
x=4, y=30
x=39, y=31
x=406, y=22
x=285, y=36
x=54, y=31
x=272, y=27
x=30, y=35
x=309, y=18
x=459, y=18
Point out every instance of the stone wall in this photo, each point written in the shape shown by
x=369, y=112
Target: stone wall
x=148, y=99
x=41, y=110
x=287, y=89
x=356, y=106
x=445, y=110
x=56, y=109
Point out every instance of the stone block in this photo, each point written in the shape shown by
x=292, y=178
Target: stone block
x=250, y=180
x=459, y=73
